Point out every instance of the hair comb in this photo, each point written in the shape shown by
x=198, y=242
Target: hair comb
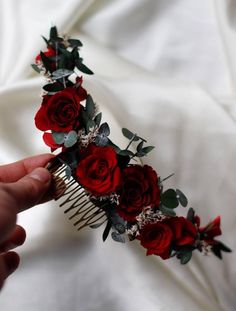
x=97, y=182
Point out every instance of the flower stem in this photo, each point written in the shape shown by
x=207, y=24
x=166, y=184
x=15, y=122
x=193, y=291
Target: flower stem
x=131, y=140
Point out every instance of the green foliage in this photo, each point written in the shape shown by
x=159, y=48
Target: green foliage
x=53, y=33
x=218, y=248
x=128, y=134
x=98, y=119
x=82, y=67
x=185, y=257
x=36, y=68
x=107, y=230
x=65, y=58
x=118, y=237
x=126, y=153
x=101, y=138
x=144, y=151
x=75, y=43
x=61, y=73
x=58, y=137
x=114, y=146
x=169, y=199
x=182, y=198
x=166, y=210
x=70, y=139
x=191, y=215
x=53, y=87
x=90, y=107
x=46, y=62
x=141, y=151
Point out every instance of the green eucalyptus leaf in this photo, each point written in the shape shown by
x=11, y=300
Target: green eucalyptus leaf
x=75, y=54
x=140, y=146
x=106, y=231
x=45, y=40
x=70, y=139
x=191, y=214
x=115, y=147
x=216, y=251
x=84, y=116
x=167, y=211
x=61, y=73
x=98, y=118
x=53, y=33
x=223, y=247
x=58, y=137
x=169, y=198
x=90, y=125
x=182, y=198
x=147, y=149
x=101, y=140
x=185, y=257
x=36, y=68
x=128, y=134
x=53, y=87
x=104, y=129
x=75, y=42
x=82, y=67
x=140, y=154
x=46, y=62
x=66, y=53
x=126, y=153
x=90, y=106
x=118, y=237
x=120, y=227
x=62, y=62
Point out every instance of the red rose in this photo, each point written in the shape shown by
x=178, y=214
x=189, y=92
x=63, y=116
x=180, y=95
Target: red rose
x=59, y=112
x=138, y=189
x=157, y=239
x=184, y=231
x=211, y=230
x=160, y=237
x=97, y=171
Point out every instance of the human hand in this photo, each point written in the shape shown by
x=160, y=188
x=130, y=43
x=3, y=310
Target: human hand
x=23, y=184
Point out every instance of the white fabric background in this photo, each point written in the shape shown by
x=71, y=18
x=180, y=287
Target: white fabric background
x=166, y=69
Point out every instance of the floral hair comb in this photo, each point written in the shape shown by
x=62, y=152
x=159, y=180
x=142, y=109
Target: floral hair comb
x=96, y=181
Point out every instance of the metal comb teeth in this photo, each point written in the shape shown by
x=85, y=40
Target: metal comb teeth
x=74, y=198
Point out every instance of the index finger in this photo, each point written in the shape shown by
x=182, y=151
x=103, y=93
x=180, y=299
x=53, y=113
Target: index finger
x=14, y=171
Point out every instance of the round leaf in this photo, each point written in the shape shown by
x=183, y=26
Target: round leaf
x=169, y=198
x=61, y=73
x=118, y=237
x=70, y=139
x=98, y=118
x=128, y=134
x=182, y=198
x=167, y=211
x=58, y=137
x=104, y=129
x=185, y=258
x=90, y=107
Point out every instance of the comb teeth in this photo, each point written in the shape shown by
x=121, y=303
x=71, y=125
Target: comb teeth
x=74, y=198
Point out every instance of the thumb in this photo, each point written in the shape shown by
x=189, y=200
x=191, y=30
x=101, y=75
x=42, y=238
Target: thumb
x=27, y=191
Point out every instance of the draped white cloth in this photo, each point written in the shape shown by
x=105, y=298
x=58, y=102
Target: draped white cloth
x=167, y=70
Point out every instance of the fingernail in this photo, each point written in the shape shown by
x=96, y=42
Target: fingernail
x=12, y=261
x=41, y=174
